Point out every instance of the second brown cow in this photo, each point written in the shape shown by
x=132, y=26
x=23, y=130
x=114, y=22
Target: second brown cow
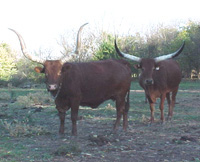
x=160, y=77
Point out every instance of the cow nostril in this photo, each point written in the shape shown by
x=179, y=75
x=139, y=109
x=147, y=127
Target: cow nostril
x=149, y=81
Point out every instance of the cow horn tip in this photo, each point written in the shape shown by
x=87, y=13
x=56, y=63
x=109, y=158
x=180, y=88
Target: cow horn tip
x=11, y=29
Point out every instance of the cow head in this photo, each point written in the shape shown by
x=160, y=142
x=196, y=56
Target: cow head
x=51, y=68
x=52, y=71
x=147, y=65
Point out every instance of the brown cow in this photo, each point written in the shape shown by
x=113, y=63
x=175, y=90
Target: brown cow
x=159, y=77
x=86, y=84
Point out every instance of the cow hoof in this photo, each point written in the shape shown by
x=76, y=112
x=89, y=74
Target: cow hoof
x=162, y=122
x=169, y=118
x=60, y=136
x=125, y=129
x=80, y=118
x=74, y=133
x=149, y=124
x=114, y=131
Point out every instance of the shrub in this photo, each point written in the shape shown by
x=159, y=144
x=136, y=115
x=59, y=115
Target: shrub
x=38, y=98
x=5, y=96
x=68, y=150
x=19, y=128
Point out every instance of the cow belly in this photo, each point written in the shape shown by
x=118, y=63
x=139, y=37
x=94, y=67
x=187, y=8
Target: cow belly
x=91, y=104
x=94, y=103
x=95, y=96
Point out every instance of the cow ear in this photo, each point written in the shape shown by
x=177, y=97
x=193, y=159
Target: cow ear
x=138, y=66
x=39, y=69
x=66, y=67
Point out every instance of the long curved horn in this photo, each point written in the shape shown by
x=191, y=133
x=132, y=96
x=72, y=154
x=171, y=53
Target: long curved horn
x=78, y=45
x=128, y=56
x=78, y=41
x=25, y=51
x=172, y=55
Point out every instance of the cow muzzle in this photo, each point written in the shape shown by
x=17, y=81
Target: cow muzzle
x=148, y=82
x=52, y=87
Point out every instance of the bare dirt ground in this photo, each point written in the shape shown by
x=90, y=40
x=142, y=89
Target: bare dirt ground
x=174, y=141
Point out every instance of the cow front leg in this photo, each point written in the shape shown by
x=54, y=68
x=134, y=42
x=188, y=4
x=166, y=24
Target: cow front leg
x=152, y=108
x=125, y=121
x=62, y=122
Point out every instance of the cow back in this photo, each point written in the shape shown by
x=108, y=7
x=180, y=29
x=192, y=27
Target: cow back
x=96, y=81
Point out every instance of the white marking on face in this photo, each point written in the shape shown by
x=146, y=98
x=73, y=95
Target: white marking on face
x=157, y=68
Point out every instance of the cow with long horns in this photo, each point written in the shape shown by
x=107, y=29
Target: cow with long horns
x=160, y=76
x=85, y=84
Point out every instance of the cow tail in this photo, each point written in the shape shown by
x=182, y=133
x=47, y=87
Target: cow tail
x=127, y=104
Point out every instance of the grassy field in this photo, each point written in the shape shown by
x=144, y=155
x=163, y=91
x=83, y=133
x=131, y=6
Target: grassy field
x=29, y=130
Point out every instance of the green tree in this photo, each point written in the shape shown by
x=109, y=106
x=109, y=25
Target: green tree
x=26, y=73
x=191, y=58
x=7, y=63
x=161, y=41
x=106, y=48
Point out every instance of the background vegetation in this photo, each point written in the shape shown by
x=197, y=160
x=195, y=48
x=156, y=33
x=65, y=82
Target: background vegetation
x=157, y=41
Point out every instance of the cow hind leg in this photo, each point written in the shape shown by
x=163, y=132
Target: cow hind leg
x=171, y=110
x=120, y=106
x=168, y=99
x=74, y=115
x=162, y=100
x=125, y=112
x=169, y=104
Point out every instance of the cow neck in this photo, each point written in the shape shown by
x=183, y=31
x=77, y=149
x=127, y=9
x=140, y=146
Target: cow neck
x=57, y=93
